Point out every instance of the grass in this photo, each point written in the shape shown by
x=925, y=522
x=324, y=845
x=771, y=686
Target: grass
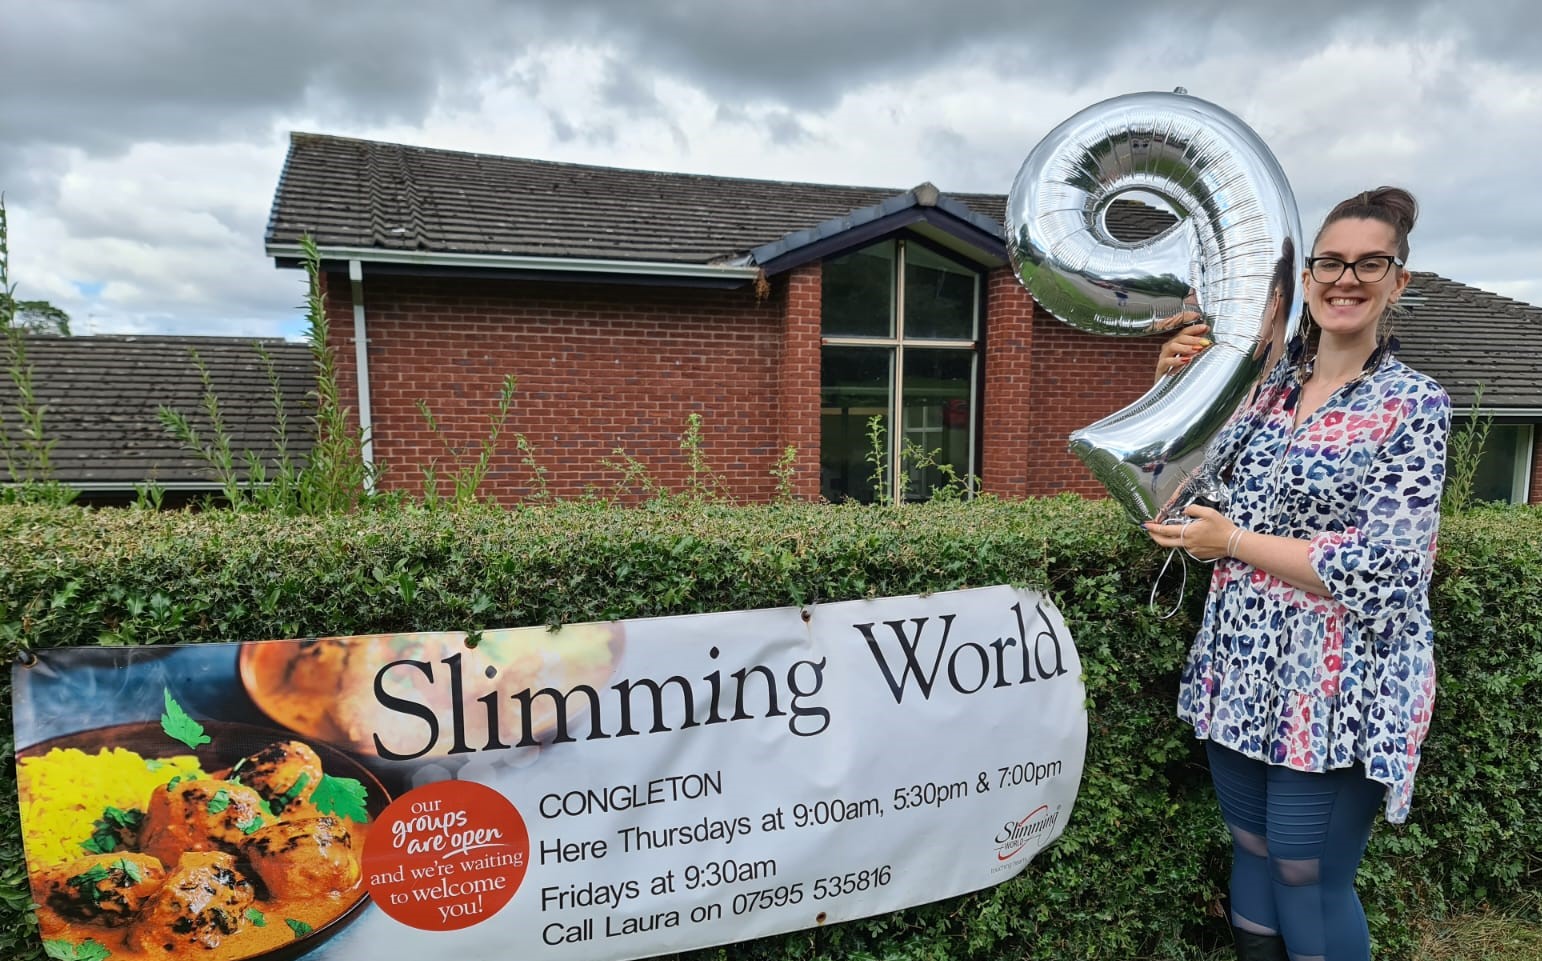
x=1512, y=935
x=1492, y=936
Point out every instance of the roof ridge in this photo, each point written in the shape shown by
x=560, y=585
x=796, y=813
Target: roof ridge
x=392, y=190
x=297, y=137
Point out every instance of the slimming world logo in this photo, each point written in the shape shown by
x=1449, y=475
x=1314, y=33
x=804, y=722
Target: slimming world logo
x=1016, y=835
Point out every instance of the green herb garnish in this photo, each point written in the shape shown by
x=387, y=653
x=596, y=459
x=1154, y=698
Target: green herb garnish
x=130, y=869
x=300, y=928
x=343, y=796
x=219, y=802
x=108, y=830
x=87, y=950
x=176, y=723
x=100, y=842
x=86, y=882
x=278, y=804
x=251, y=826
x=258, y=919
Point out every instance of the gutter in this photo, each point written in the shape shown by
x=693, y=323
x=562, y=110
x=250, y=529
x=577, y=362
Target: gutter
x=579, y=265
x=1499, y=413
x=128, y=486
x=361, y=366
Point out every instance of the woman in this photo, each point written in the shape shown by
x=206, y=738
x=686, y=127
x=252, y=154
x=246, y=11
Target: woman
x=1312, y=677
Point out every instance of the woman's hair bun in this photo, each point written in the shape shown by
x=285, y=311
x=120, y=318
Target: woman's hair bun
x=1390, y=205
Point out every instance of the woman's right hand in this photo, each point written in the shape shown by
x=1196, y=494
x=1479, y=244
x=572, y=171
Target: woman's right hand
x=1181, y=348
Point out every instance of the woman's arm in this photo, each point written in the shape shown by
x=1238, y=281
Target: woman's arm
x=1209, y=535
x=1385, y=552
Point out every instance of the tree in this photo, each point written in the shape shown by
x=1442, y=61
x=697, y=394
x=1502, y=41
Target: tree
x=34, y=316
x=27, y=316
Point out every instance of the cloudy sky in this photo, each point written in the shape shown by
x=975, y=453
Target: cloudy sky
x=141, y=140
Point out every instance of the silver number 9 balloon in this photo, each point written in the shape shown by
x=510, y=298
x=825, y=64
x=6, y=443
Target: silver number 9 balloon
x=1230, y=260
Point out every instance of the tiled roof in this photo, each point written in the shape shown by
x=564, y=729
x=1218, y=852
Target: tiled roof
x=1464, y=337
x=359, y=193
x=102, y=396
x=364, y=194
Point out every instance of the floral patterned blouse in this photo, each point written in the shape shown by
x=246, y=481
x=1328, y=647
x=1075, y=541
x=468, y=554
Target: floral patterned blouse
x=1311, y=682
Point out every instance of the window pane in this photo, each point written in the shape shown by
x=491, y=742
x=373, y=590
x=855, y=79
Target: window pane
x=939, y=296
x=854, y=386
x=858, y=293
x=937, y=396
x=1495, y=477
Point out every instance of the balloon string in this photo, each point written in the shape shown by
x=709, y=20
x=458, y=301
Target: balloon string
x=1182, y=585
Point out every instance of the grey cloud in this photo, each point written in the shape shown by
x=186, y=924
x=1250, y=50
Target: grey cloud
x=785, y=129
x=811, y=51
x=628, y=89
x=101, y=75
x=98, y=74
x=567, y=131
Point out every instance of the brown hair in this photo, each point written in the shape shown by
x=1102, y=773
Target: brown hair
x=1393, y=206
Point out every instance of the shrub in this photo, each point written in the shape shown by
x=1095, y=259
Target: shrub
x=1142, y=860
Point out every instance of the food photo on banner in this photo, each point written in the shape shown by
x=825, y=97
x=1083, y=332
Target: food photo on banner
x=598, y=791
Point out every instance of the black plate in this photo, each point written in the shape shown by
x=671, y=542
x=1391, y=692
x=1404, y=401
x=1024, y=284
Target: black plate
x=230, y=743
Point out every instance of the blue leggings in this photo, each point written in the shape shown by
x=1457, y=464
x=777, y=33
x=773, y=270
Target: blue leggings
x=1297, y=840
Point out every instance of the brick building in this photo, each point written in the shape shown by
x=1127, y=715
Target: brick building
x=785, y=314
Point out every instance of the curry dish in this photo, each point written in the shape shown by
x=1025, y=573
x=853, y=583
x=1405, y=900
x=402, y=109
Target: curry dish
x=220, y=867
x=326, y=688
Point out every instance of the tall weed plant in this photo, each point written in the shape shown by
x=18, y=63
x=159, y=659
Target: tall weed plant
x=1464, y=454
x=335, y=477
x=28, y=457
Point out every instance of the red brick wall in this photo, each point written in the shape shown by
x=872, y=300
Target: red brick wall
x=600, y=367
x=1079, y=378
x=801, y=326
x=1011, y=423
x=603, y=366
x=1535, y=496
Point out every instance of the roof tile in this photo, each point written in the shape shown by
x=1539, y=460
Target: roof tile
x=102, y=396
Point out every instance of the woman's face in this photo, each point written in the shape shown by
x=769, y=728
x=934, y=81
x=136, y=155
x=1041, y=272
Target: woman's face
x=1351, y=307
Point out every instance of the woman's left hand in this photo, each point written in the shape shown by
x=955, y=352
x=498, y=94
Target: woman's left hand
x=1204, y=536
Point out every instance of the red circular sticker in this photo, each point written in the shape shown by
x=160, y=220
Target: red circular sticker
x=446, y=855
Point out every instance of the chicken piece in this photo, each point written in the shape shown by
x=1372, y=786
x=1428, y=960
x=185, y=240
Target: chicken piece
x=105, y=889
x=307, y=858
x=202, y=902
x=284, y=773
x=200, y=815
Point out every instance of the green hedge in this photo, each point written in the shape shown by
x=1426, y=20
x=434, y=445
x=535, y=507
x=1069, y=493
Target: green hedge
x=1142, y=861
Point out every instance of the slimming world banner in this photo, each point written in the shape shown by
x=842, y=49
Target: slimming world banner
x=600, y=791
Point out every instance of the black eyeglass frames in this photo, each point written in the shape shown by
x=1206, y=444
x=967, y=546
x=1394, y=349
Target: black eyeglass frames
x=1368, y=270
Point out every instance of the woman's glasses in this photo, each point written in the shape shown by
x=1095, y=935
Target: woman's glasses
x=1368, y=270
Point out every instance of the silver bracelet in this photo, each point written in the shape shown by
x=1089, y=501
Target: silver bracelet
x=1233, y=541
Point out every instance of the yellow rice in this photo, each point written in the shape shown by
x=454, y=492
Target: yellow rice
x=65, y=791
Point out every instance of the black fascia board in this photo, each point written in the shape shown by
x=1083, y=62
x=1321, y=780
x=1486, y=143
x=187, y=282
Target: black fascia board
x=871, y=231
